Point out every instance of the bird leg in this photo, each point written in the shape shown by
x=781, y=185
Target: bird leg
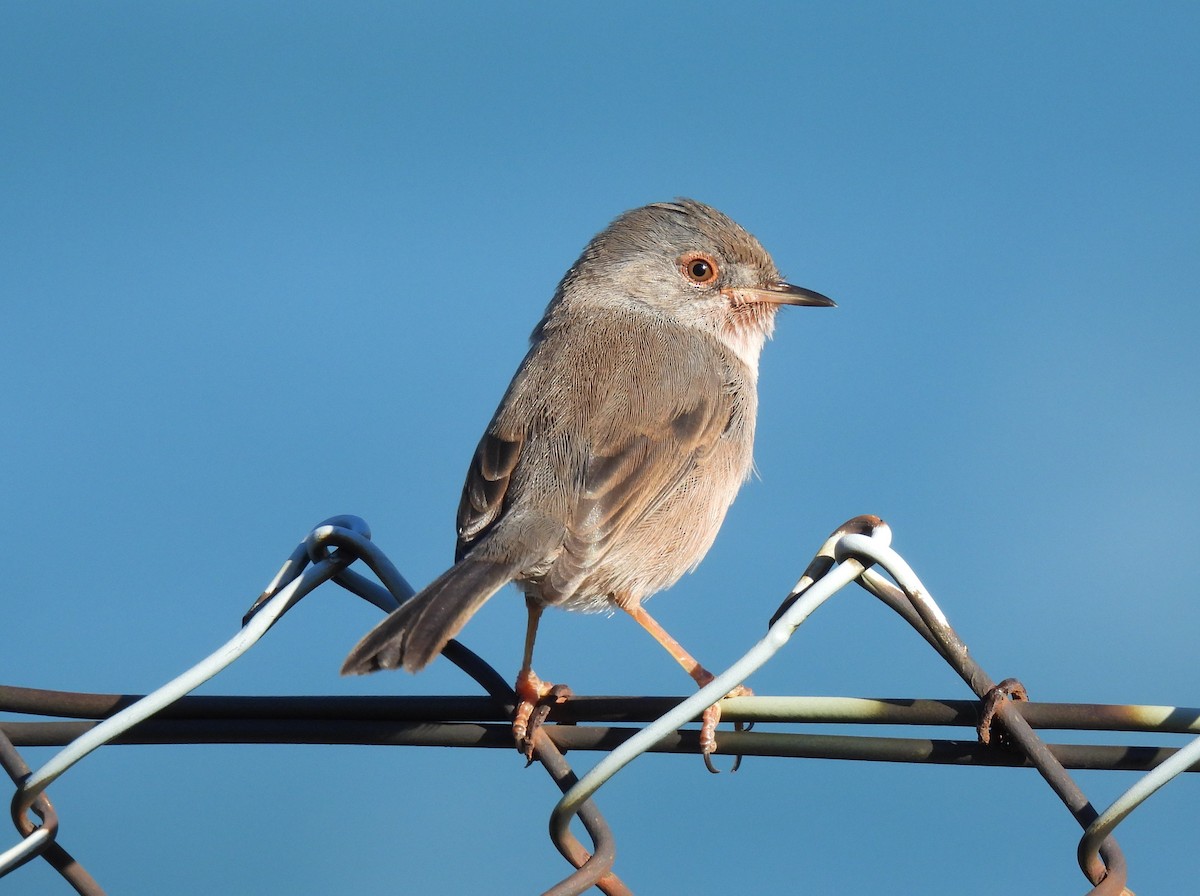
x=536, y=696
x=712, y=715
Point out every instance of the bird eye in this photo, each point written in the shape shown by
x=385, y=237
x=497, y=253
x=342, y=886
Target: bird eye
x=699, y=268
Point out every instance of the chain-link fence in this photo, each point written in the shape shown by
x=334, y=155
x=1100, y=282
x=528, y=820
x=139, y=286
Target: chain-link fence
x=1002, y=720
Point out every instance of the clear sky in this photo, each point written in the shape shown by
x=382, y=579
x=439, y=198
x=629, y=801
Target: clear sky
x=266, y=263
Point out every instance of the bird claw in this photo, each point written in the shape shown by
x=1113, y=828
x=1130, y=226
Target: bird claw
x=709, y=720
x=537, y=698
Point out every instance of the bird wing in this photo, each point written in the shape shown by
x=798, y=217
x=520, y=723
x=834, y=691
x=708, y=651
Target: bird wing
x=651, y=434
x=484, y=492
x=600, y=426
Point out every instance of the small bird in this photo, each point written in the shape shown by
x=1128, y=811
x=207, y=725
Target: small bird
x=621, y=442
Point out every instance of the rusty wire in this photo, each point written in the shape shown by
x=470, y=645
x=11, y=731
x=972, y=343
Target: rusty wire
x=587, y=709
x=853, y=553
x=1106, y=870
x=847, y=556
x=351, y=534
x=853, y=544
x=1098, y=831
x=599, y=723
x=323, y=555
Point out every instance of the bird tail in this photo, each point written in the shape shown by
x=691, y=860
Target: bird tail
x=416, y=632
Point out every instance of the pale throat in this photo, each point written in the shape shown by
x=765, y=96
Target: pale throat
x=744, y=328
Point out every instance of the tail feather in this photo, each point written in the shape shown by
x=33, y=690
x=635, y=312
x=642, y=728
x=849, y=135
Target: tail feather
x=416, y=632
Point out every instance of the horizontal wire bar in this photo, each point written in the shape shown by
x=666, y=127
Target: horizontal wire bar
x=762, y=709
x=1182, y=761
x=588, y=737
x=103, y=732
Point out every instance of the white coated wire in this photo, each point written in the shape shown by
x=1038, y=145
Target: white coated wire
x=811, y=596
x=1099, y=830
x=854, y=554
x=18, y=855
x=122, y=721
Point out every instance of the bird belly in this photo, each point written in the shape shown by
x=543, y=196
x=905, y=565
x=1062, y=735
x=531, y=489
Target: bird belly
x=670, y=540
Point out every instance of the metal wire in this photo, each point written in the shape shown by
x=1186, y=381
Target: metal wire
x=815, y=594
x=859, y=551
x=413, y=731
x=311, y=564
x=42, y=841
x=174, y=689
x=1106, y=869
x=584, y=708
x=1100, y=829
x=352, y=534
x=32, y=846
x=854, y=546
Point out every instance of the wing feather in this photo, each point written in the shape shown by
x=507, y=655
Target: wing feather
x=599, y=428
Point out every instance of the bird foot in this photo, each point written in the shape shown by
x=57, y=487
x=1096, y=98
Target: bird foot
x=709, y=720
x=537, y=698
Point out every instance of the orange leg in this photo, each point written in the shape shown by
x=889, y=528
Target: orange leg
x=712, y=715
x=531, y=690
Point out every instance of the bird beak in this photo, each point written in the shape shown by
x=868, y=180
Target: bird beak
x=778, y=294
x=786, y=294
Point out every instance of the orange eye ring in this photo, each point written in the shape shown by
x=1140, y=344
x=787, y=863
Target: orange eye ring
x=699, y=268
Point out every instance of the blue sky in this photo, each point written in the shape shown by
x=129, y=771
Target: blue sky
x=266, y=263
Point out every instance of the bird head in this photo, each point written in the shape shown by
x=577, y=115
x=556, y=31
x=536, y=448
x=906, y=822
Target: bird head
x=692, y=265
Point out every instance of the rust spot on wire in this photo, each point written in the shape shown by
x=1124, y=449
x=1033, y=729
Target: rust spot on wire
x=1009, y=689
